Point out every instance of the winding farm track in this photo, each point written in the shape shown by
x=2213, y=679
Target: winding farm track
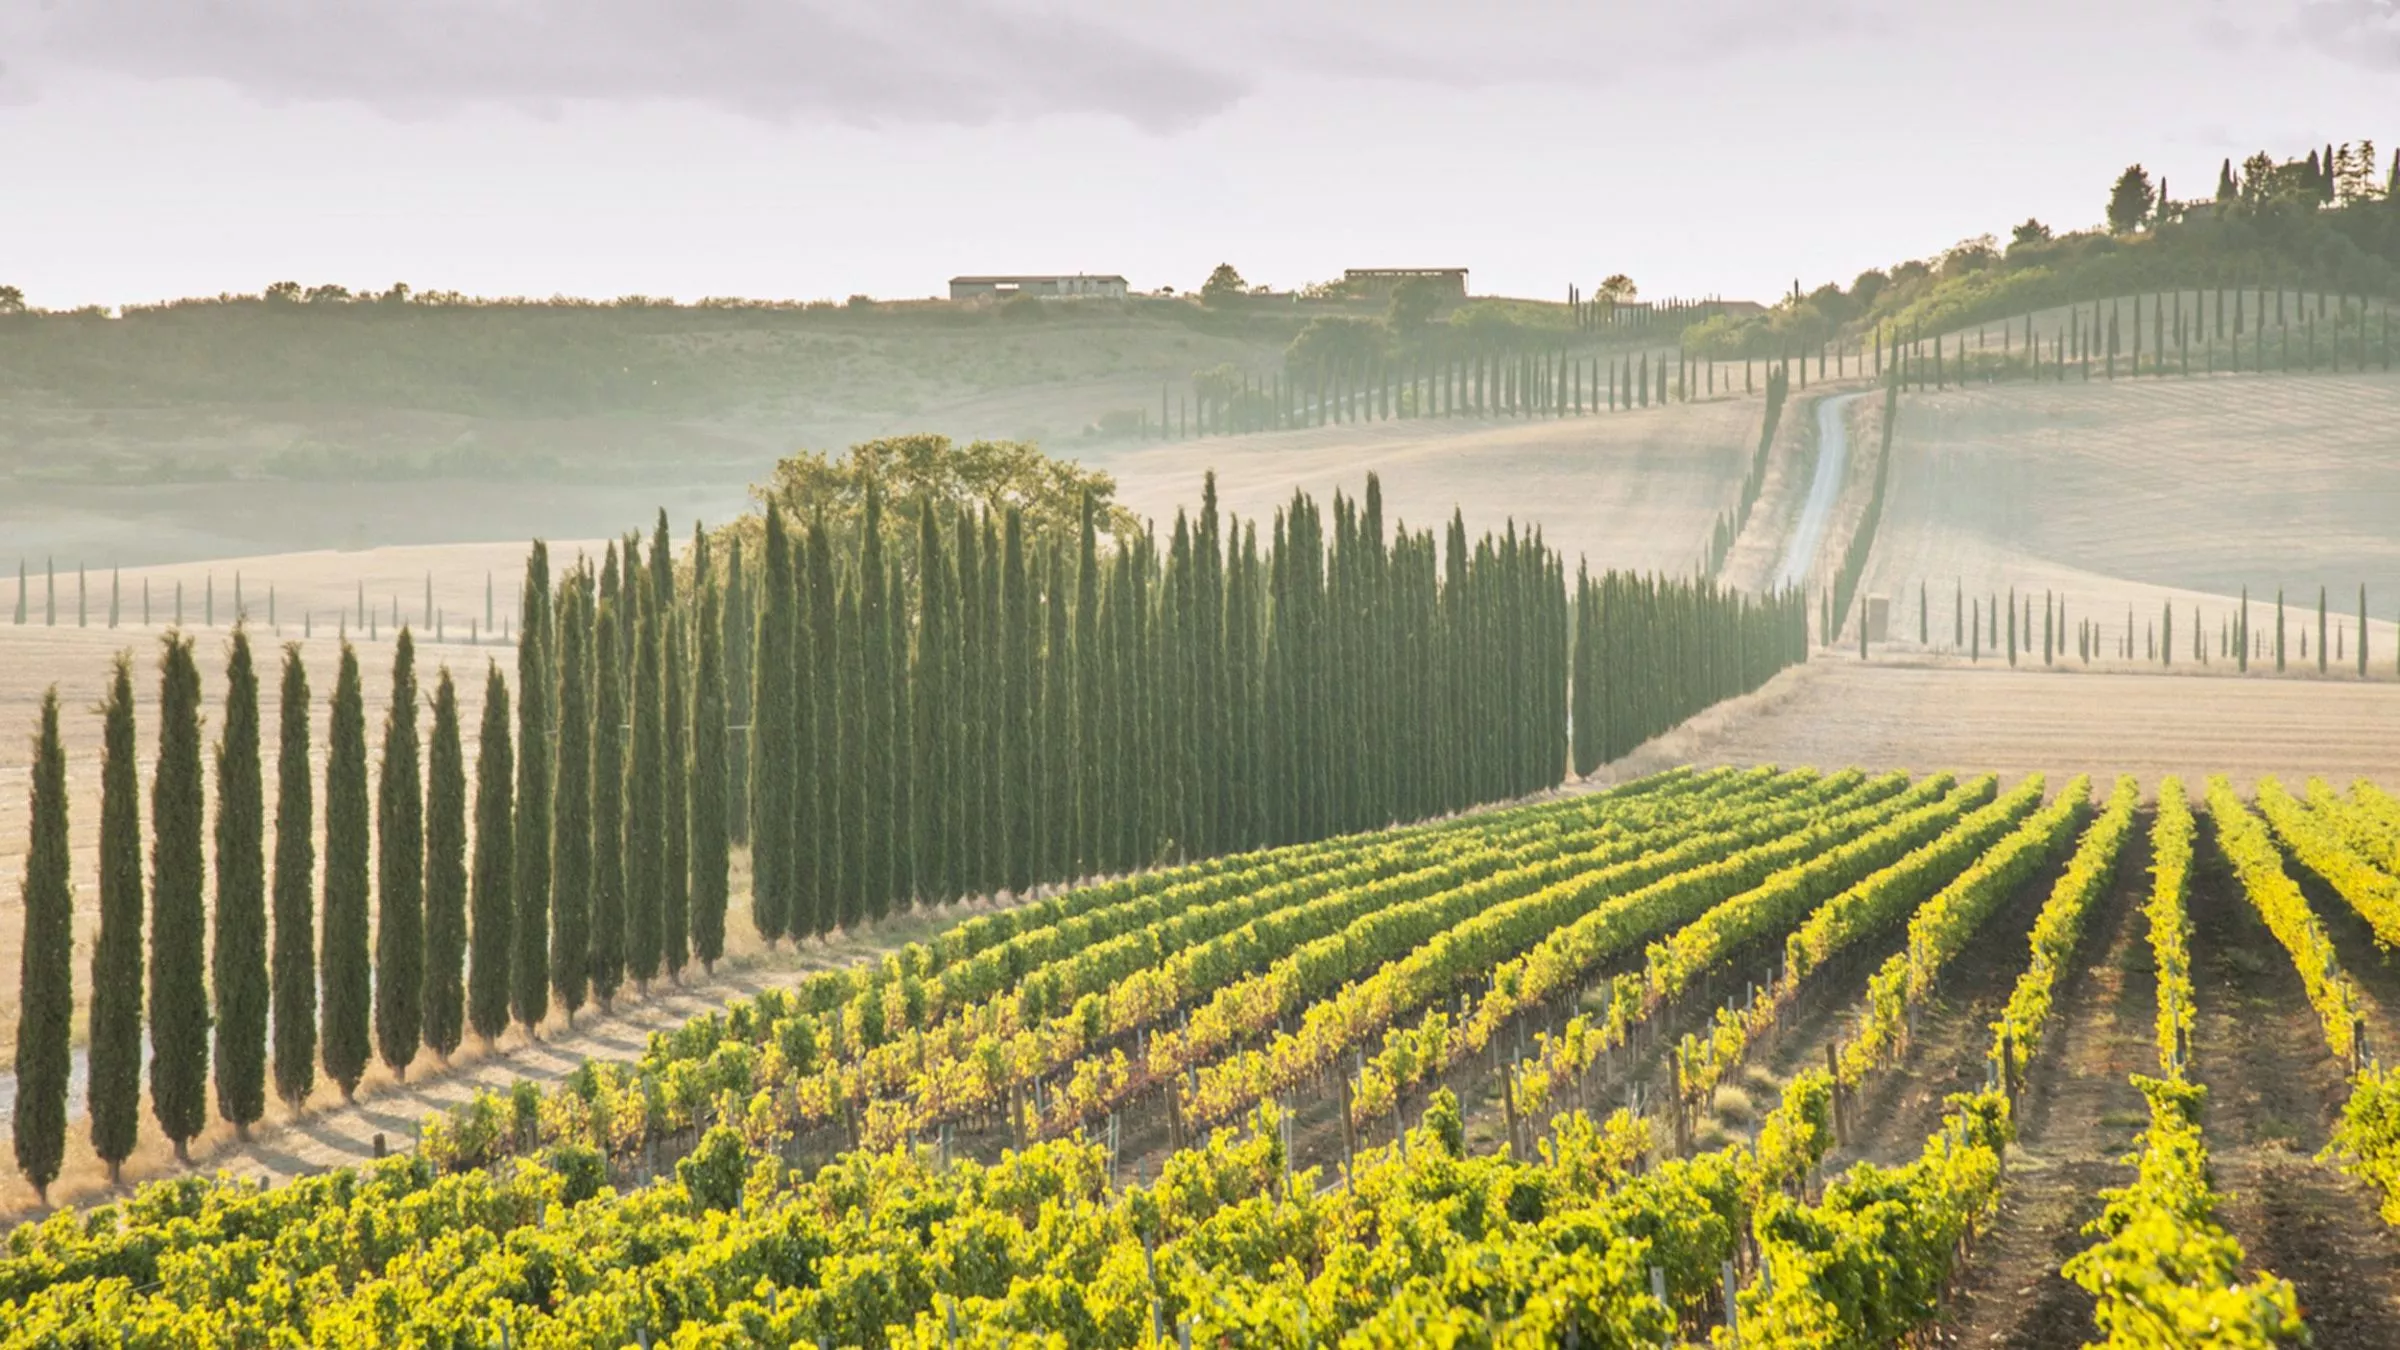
x=1833, y=465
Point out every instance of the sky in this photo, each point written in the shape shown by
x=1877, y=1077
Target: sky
x=807, y=149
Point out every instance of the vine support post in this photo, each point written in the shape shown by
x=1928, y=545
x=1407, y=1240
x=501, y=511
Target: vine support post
x=1841, y=1125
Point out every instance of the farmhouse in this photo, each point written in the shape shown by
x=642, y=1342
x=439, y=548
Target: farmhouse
x=971, y=288
x=1377, y=282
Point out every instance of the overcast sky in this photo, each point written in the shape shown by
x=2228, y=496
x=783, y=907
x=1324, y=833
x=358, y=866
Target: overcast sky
x=819, y=148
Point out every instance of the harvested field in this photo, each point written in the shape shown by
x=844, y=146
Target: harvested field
x=2139, y=493
x=1637, y=490
x=1835, y=712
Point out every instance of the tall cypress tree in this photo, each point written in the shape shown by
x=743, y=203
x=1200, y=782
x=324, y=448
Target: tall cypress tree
x=537, y=729
x=179, y=1016
x=854, y=731
x=711, y=775
x=820, y=805
x=45, y=973
x=774, y=861
x=733, y=660
x=445, y=874
x=1090, y=740
x=607, y=950
x=343, y=972
x=644, y=771
x=2321, y=630
x=874, y=726
x=675, y=881
x=571, y=816
x=294, y=1002
x=115, y=1092
x=491, y=946
x=970, y=823
x=900, y=864
x=932, y=712
x=990, y=764
x=1057, y=739
x=400, y=874
x=238, y=959
x=1020, y=694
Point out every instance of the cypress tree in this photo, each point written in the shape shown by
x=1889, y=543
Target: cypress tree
x=537, y=730
x=238, y=959
x=571, y=814
x=2320, y=630
x=733, y=666
x=774, y=861
x=873, y=701
x=711, y=776
x=295, y=973
x=674, y=790
x=2280, y=626
x=2241, y=635
x=400, y=874
x=445, y=874
x=1090, y=739
x=1057, y=791
x=2362, y=630
x=932, y=713
x=819, y=804
x=1019, y=692
x=342, y=964
x=851, y=777
x=492, y=951
x=179, y=1016
x=607, y=951
x=115, y=1091
x=45, y=973
x=900, y=861
x=644, y=770
x=971, y=818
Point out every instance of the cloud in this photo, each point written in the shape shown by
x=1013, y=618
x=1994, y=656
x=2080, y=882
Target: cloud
x=882, y=62
x=2363, y=33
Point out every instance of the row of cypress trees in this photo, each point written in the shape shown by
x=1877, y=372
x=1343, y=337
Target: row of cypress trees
x=419, y=928
x=1649, y=652
x=1521, y=384
x=1000, y=711
x=1025, y=711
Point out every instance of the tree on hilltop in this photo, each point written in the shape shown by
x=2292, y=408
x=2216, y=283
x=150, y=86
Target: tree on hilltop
x=1222, y=285
x=2130, y=201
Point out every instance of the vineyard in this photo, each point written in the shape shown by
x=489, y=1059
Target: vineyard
x=1753, y=1054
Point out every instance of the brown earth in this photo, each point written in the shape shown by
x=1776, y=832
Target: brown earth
x=1836, y=713
x=2078, y=1119
x=2272, y=1093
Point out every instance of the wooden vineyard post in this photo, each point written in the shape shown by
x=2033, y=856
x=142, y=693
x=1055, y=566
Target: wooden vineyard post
x=1841, y=1124
x=2008, y=1068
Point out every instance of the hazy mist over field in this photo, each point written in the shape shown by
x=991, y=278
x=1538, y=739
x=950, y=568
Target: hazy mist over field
x=825, y=149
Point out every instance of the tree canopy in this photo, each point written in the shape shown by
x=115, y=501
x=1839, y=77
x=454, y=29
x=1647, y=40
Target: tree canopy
x=913, y=472
x=2130, y=200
